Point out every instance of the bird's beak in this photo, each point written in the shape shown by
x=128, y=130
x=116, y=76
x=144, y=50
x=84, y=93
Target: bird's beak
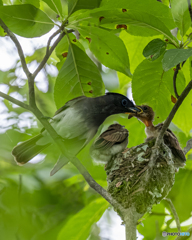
x=135, y=110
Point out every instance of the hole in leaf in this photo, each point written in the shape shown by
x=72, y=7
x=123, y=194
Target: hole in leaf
x=100, y=18
x=89, y=39
x=173, y=99
x=64, y=54
x=121, y=26
x=124, y=10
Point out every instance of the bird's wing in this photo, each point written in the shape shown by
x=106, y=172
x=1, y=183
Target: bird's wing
x=110, y=137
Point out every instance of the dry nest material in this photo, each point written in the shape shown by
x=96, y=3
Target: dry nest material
x=132, y=183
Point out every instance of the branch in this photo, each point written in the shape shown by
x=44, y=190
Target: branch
x=188, y=147
x=173, y=210
x=189, y=7
x=93, y=184
x=174, y=80
x=167, y=122
x=49, y=51
x=15, y=101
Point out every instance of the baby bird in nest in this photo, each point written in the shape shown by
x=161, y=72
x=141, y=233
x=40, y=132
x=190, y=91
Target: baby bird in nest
x=147, y=117
x=109, y=143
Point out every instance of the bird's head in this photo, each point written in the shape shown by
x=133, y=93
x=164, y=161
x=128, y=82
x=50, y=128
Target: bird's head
x=146, y=115
x=121, y=104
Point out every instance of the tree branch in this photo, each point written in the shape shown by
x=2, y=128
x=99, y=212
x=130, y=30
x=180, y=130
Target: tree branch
x=174, y=80
x=189, y=7
x=173, y=210
x=49, y=51
x=188, y=146
x=184, y=237
x=15, y=101
x=167, y=122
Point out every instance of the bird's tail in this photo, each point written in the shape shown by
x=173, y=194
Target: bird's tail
x=25, y=151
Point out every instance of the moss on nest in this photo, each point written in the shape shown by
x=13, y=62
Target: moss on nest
x=132, y=183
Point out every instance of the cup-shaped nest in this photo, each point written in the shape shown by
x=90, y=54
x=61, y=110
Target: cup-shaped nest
x=133, y=183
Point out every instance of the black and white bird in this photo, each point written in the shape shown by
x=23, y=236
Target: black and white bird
x=76, y=122
x=147, y=116
x=109, y=143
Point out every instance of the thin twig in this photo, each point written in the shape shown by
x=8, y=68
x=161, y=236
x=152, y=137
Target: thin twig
x=167, y=122
x=93, y=184
x=48, y=53
x=175, y=79
x=173, y=210
x=51, y=38
x=15, y=101
x=188, y=146
x=189, y=7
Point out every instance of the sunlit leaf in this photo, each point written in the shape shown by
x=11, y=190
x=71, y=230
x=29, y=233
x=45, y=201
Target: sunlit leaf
x=83, y=221
x=26, y=20
x=78, y=76
x=108, y=48
x=35, y=3
x=54, y=5
x=74, y=5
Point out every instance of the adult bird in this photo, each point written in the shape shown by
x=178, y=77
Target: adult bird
x=109, y=143
x=76, y=122
x=147, y=116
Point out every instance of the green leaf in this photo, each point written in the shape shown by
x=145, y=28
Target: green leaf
x=1, y=3
x=174, y=56
x=78, y=76
x=151, y=221
x=139, y=22
x=32, y=2
x=26, y=20
x=181, y=16
x=74, y=5
x=150, y=86
x=157, y=9
x=180, y=194
x=83, y=221
x=55, y=6
x=154, y=49
x=108, y=48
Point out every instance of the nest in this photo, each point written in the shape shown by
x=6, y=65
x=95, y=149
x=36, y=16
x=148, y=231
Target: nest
x=133, y=183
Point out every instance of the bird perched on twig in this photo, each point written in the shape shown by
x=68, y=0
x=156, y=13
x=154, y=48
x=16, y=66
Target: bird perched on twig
x=76, y=122
x=109, y=143
x=147, y=116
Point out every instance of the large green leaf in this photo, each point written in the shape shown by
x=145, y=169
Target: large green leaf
x=78, y=76
x=138, y=23
x=26, y=20
x=108, y=48
x=35, y=3
x=157, y=9
x=180, y=194
x=174, y=56
x=150, y=86
x=181, y=16
x=74, y=5
x=55, y=6
x=154, y=49
x=83, y=221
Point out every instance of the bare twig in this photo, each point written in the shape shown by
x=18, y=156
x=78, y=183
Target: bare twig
x=48, y=53
x=15, y=101
x=92, y=183
x=167, y=122
x=174, y=80
x=188, y=147
x=189, y=7
x=173, y=210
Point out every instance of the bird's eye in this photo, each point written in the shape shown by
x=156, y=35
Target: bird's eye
x=124, y=102
x=145, y=108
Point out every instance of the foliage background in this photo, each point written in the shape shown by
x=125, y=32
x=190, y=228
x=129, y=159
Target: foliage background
x=34, y=205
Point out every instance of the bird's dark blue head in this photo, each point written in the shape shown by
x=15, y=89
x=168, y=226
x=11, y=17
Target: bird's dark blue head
x=120, y=104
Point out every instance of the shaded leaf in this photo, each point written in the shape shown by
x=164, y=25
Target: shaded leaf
x=108, y=48
x=77, y=71
x=174, y=56
x=26, y=20
x=83, y=221
x=74, y=5
x=55, y=6
x=150, y=86
x=181, y=16
x=154, y=49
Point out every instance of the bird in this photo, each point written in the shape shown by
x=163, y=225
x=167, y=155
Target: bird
x=76, y=122
x=109, y=143
x=147, y=116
